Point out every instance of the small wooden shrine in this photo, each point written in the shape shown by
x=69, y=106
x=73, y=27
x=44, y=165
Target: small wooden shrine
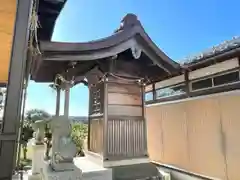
x=116, y=69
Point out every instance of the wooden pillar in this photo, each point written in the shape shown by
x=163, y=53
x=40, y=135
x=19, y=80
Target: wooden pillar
x=58, y=101
x=66, y=103
x=105, y=119
x=186, y=77
x=145, y=150
x=154, y=92
x=89, y=119
x=95, y=129
x=11, y=118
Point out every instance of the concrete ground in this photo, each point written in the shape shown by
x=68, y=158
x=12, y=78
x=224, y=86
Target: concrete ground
x=89, y=169
x=18, y=176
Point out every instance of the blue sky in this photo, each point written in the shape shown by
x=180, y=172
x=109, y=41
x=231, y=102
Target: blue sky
x=179, y=28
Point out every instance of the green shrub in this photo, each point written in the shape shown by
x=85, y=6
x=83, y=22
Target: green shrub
x=79, y=134
x=27, y=133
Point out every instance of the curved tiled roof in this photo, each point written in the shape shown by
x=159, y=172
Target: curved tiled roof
x=130, y=27
x=214, y=51
x=130, y=37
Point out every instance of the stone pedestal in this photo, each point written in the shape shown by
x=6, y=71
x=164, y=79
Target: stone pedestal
x=37, y=161
x=47, y=173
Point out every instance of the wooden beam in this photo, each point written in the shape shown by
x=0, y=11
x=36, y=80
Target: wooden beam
x=3, y=85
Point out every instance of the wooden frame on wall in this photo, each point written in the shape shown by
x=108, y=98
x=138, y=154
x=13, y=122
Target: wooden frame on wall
x=188, y=78
x=212, y=80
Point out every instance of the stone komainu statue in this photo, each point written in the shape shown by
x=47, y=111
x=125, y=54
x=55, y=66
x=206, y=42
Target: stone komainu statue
x=63, y=148
x=38, y=127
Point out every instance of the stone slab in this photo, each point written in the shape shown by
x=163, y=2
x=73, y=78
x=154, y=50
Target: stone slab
x=178, y=174
x=98, y=159
x=144, y=171
x=92, y=170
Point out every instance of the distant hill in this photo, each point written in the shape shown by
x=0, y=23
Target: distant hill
x=82, y=119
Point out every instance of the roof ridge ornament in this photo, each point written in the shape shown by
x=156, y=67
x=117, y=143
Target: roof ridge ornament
x=128, y=21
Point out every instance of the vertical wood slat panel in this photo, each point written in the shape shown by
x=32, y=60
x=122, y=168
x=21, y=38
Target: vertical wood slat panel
x=126, y=138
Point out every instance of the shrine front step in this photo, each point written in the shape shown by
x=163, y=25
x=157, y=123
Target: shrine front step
x=94, y=171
